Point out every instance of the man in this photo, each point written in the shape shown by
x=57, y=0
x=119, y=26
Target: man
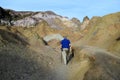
x=65, y=47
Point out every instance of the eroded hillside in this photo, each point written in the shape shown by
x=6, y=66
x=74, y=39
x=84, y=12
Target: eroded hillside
x=30, y=48
x=104, y=32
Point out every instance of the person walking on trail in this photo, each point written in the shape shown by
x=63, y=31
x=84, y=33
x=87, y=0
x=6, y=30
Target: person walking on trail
x=65, y=48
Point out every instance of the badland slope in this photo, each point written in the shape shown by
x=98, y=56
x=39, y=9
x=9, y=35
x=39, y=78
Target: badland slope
x=30, y=48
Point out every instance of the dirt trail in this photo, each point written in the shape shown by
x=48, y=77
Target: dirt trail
x=76, y=70
x=61, y=71
x=95, y=50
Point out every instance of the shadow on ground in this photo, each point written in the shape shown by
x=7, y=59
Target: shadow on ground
x=15, y=67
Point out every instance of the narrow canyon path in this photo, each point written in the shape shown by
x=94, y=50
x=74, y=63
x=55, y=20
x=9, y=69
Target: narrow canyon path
x=76, y=70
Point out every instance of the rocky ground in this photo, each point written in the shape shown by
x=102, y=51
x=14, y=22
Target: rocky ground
x=44, y=63
x=31, y=51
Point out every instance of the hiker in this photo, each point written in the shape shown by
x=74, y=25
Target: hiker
x=65, y=48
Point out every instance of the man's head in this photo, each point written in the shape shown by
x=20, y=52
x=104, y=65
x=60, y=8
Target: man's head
x=65, y=37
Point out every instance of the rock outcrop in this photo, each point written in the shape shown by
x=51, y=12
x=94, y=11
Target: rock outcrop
x=31, y=19
x=5, y=17
x=85, y=23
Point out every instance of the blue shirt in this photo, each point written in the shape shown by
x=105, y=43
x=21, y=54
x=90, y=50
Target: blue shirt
x=65, y=43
